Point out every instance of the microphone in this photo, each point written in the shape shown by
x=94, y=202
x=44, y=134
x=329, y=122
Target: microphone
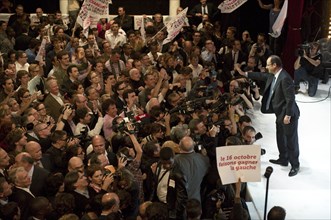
x=268, y=172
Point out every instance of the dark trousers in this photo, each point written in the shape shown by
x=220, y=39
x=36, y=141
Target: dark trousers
x=287, y=141
x=302, y=75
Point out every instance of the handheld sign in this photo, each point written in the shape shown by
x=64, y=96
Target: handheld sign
x=239, y=161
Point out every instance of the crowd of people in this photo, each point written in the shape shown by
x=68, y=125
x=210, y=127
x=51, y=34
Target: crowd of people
x=117, y=125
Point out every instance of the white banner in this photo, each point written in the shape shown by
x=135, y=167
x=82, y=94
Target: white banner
x=240, y=161
x=90, y=12
x=279, y=23
x=42, y=51
x=174, y=26
x=229, y=6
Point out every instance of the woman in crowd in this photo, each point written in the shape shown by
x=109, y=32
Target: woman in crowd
x=100, y=180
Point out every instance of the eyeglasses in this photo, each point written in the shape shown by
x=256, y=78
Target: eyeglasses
x=43, y=108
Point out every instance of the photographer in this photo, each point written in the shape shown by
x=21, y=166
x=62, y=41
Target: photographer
x=204, y=138
x=307, y=68
x=66, y=122
x=130, y=159
x=238, y=98
x=84, y=117
x=260, y=50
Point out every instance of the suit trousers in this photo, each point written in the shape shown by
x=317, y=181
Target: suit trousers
x=287, y=141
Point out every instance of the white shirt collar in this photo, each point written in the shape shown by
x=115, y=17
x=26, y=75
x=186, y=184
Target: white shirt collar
x=277, y=74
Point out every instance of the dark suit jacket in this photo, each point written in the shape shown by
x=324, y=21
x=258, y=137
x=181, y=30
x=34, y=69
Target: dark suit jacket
x=212, y=10
x=58, y=163
x=46, y=162
x=283, y=99
x=5, y=175
x=81, y=203
x=185, y=181
x=126, y=23
x=23, y=199
x=198, y=9
x=52, y=106
x=228, y=65
x=38, y=182
x=30, y=138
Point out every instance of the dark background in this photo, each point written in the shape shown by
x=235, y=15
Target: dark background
x=248, y=17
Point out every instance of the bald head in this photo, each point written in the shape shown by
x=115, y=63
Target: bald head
x=25, y=160
x=143, y=207
x=76, y=163
x=186, y=144
x=98, y=143
x=110, y=202
x=34, y=149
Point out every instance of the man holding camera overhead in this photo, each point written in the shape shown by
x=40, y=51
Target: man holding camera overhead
x=307, y=68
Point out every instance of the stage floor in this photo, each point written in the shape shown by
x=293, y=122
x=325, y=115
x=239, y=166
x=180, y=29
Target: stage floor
x=306, y=195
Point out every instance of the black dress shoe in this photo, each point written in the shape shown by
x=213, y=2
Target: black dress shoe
x=294, y=171
x=279, y=162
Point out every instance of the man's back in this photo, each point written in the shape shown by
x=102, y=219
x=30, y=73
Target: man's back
x=193, y=166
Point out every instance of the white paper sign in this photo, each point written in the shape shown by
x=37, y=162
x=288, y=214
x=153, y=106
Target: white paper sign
x=175, y=25
x=229, y=6
x=239, y=161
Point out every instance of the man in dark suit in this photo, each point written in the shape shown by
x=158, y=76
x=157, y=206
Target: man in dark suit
x=279, y=98
x=125, y=21
x=68, y=85
x=40, y=160
x=203, y=8
x=99, y=147
x=38, y=176
x=21, y=192
x=187, y=182
x=57, y=151
x=76, y=184
x=234, y=56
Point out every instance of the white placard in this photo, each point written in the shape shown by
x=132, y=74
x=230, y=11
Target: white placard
x=239, y=161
